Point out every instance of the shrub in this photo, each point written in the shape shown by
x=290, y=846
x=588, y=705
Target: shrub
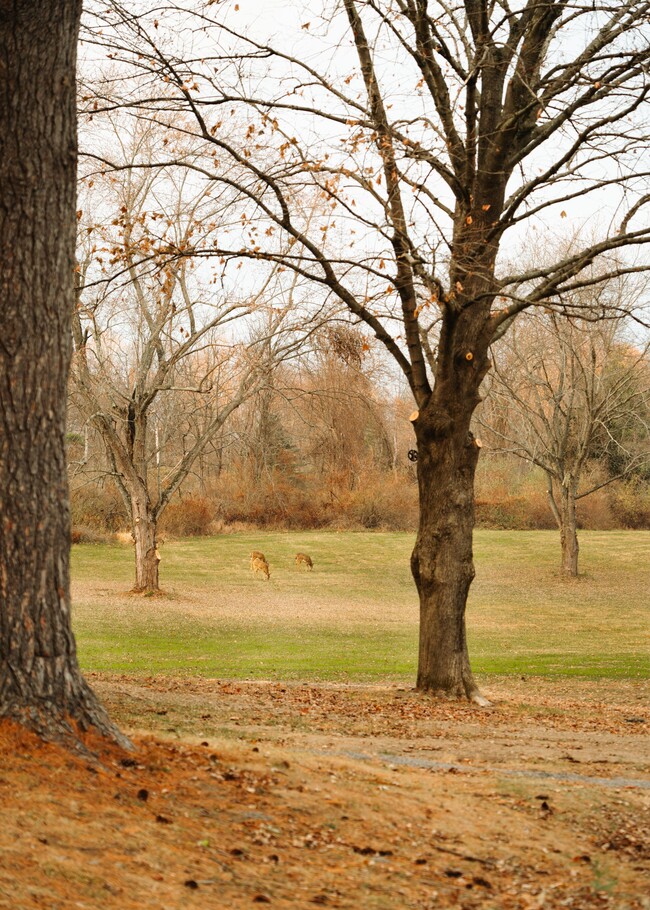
x=314, y=500
x=188, y=517
x=630, y=503
x=275, y=501
x=84, y=534
x=539, y=516
x=512, y=499
x=595, y=512
x=98, y=508
x=386, y=501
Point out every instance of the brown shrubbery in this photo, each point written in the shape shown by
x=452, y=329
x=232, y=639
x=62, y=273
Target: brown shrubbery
x=373, y=501
x=630, y=504
x=509, y=500
x=191, y=516
x=274, y=501
x=381, y=502
x=84, y=534
x=98, y=508
x=369, y=498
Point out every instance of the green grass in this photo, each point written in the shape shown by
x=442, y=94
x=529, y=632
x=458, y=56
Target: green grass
x=523, y=616
x=239, y=652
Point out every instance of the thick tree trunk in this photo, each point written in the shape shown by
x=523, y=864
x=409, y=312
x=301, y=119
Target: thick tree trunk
x=147, y=558
x=40, y=682
x=442, y=560
x=569, y=529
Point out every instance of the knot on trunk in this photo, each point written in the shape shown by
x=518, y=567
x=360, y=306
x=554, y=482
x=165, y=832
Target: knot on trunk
x=433, y=423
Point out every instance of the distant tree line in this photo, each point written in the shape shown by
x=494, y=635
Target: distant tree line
x=325, y=439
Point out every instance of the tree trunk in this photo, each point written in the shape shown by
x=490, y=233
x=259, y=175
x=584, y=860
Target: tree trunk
x=565, y=516
x=40, y=682
x=568, y=528
x=442, y=560
x=147, y=558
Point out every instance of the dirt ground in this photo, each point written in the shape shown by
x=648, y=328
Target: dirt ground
x=301, y=795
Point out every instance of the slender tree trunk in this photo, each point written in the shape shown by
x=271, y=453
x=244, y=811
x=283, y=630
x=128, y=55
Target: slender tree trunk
x=40, y=682
x=551, y=499
x=568, y=528
x=147, y=557
x=565, y=516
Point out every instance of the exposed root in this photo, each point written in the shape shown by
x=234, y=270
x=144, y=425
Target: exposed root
x=471, y=689
x=474, y=697
x=466, y=691
x=81, y=728
x=477, y=699
x=472, y=693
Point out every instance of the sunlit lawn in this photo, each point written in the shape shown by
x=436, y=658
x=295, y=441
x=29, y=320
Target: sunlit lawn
x=358, y=609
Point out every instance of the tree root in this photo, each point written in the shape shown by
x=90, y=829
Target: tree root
x=477, y=699
x=146, y=592
x=70, y=726
x=457, y=694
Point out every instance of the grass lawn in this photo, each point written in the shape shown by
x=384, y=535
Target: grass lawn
x=355, y=616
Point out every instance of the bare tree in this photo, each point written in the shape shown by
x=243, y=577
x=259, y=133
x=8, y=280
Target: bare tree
x=40, y=683
x=150, y=330
x=436, y=135
x=563, y=393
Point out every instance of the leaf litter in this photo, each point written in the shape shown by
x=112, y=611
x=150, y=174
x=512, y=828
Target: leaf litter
x=242, y=793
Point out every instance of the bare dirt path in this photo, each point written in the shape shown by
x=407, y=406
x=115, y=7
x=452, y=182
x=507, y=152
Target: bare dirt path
x=298, y=795
x=599, y=729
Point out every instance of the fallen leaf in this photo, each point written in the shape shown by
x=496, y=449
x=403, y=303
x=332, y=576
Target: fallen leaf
x=483, y=882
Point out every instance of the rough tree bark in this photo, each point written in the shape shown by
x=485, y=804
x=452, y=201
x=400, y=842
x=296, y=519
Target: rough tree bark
x=147, y=557
x=569, y=528
x=567, y=522
x=442, y=560
x=40, y=682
